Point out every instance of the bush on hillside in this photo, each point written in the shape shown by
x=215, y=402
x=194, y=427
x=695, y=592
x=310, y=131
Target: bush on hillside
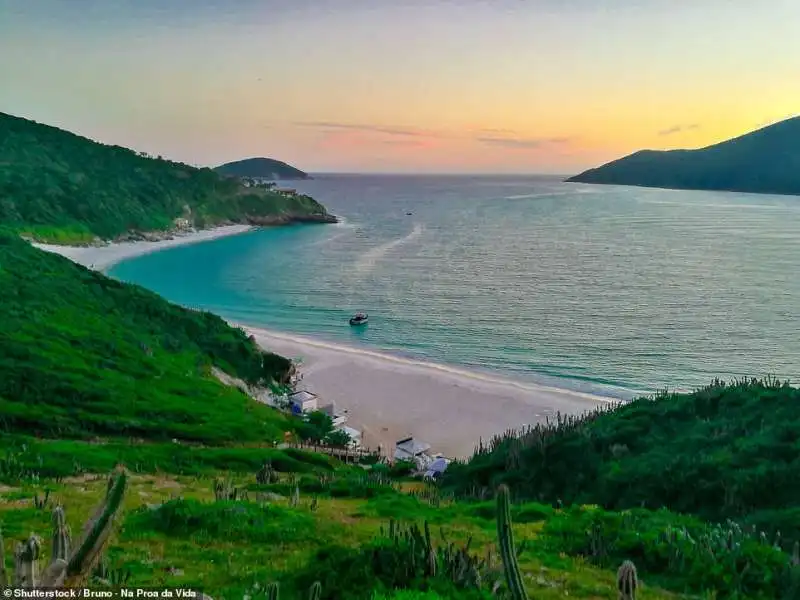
x=83, y=355
x=711, y=453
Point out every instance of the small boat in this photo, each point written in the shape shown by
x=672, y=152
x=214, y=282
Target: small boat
x=408, y=214
x=359, y=319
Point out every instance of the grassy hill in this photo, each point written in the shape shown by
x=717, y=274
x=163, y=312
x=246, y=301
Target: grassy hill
x=764, y=161
x=58, y=186
x=268, y=168
x=711, y=453
x=82, y=355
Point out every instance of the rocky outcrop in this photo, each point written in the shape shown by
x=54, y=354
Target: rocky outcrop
x=290, y=218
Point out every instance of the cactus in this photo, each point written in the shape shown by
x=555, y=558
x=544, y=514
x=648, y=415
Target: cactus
x=3, y=574
x=315, y=593
x=69, y=566
x=627, y=581
x=272, y=591
x=26, y=558
x=61, y=538
x=96, y=532
x=266, y=474
x=43, y=502
x=505, y=540
x=225, y=490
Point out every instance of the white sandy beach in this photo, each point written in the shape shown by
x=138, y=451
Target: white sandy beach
x=102, y=258
x=387, y=397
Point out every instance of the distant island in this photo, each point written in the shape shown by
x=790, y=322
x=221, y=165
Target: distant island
x=263, y=168
x=765, y=161
x=59, y=187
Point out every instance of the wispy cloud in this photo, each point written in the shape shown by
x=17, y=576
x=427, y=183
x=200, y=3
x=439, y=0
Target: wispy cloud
x=679, y=129
x=522, y=143
x=494, y=131
x=391, y=130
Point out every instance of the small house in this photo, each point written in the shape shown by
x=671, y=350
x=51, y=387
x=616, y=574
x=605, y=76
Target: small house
x=414, y=451
x=436, y=468
x=286, y=191
x=303, y=402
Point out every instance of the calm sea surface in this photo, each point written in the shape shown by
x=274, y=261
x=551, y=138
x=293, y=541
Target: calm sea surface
x=613, y=290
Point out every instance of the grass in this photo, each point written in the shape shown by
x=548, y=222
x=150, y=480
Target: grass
x=172, y=533
x=85, y=356
x=65, y=458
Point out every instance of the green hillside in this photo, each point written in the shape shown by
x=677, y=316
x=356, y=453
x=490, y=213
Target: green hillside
x=58, y=186
x=268, y=168
x=765, y=161
x=82, y=355
x=711, y=453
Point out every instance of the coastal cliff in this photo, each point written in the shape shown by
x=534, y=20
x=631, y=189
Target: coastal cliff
x=62, y=188
x=766, y=161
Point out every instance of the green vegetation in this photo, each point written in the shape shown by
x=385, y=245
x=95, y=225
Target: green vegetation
x=174, y=532
x=765, y=161
x=59, y=187
x=84, y=355
x=267, y=168
x=711, y=453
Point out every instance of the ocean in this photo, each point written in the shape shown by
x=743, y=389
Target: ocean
x=610, y=290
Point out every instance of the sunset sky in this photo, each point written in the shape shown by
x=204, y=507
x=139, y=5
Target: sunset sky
x=483, y=86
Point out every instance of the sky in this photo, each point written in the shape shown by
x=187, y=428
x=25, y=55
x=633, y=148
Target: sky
x=435, y=86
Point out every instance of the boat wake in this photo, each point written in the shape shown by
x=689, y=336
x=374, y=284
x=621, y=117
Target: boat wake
x=369, y=259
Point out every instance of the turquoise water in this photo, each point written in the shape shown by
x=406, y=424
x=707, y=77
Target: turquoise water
x=611, y=290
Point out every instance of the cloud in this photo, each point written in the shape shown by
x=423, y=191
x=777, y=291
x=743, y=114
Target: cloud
x=494, y=131
x=679, y=129
x=380, y=129
x=522, y=143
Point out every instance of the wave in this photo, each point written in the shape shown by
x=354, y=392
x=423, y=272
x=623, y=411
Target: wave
x=368, y=260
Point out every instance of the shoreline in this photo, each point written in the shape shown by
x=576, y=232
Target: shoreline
x=389, y=398
x=386, y=397
x=102, y=258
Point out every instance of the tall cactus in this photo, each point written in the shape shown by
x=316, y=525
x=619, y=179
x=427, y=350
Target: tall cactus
x=61, y=538
x=3, y=574
x=627, y=581
x=273, y=591
x=26, y=558
x=315, y=593
x=69, y=566
x=96, y=532
x=505, y=540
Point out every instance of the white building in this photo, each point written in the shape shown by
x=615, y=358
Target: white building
x=414, y=451
x=303, y=401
